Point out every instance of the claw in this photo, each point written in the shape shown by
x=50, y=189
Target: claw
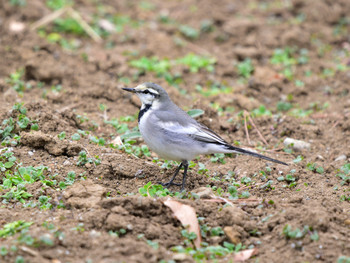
x=168, y=184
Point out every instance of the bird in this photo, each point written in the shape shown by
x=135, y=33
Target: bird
x=174, y=135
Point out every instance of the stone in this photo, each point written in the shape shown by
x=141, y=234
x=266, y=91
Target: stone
x=340, y=158
x=297, y=145
x=203, y=192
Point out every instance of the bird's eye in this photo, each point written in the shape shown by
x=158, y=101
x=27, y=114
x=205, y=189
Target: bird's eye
x=146, y=92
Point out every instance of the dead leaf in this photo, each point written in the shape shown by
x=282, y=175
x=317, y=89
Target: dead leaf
x=244, y=255
x=106, y=25
x=117, y=141
x=187, y=216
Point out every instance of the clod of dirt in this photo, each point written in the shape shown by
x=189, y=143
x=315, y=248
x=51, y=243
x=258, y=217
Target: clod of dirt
x=244, y=102
x=37, y=139
x=84, y=194
x=232, y=234
x=203, y=192
x=232, y=215
x=46, y=70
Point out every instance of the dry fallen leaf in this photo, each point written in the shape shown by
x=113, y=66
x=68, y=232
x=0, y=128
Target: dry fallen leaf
x=187, y=216
x=244, y=255
x=117, y=141
x=106, y=25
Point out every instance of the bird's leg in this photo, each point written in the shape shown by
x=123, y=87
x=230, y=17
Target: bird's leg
x=185, y=164
x=170, y=183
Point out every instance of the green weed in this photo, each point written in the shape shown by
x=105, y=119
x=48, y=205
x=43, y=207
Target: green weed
x=17, y=82
x=195, y=63
x=14, y=227
x=84, y=159
x=245, y=68
x=289, y=233
x=189, y=32
x=154, y=190
x=344, y=175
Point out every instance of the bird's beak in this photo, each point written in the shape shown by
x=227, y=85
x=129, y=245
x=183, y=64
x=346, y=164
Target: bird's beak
x=130, y=90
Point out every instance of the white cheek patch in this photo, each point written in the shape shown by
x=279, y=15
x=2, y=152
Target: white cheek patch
x=146, y=98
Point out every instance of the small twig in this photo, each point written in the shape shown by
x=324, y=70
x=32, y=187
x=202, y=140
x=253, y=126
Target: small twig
x=334, y=125
x=260, y=135
x=49, y=18
x=197, y=49
x=89, y=155
x=74, y=14
x=245, y=127
x=221, y=198
x=236, y=201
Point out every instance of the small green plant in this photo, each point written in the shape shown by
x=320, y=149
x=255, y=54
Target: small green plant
x=70, y=179
x=154, y=190
x=245, y=68
x=298, y=159
x=14, y=227
x=153, y=64
x=284, y=106
x=189, y=32
x=18, y=2
x=62, y=135
x=44, y=203
x=68, y=25
x=195, y=63
x=261, y=111
x=213, y=89
x=343, y=259
x=289, y=233
x=17, y=83
x=117, y=233
x=58, y=4
x=344, y=175
x=76, y=137
x=194, y=113
x=218, y=157
x=206, y=252
x=79, y=228
x=99, y=141
x=84, y=159
x=300, y=113
x=312, y=167
x=10, y=125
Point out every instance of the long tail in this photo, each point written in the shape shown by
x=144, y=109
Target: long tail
x=240, y=150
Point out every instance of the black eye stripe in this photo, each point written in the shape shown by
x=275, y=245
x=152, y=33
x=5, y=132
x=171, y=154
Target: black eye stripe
x=149, y=92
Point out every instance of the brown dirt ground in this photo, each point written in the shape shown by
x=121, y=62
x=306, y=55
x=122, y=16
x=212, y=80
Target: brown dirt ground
x=109, y=200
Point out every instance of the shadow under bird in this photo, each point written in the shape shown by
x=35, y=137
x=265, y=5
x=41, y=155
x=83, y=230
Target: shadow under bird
x=174, y=135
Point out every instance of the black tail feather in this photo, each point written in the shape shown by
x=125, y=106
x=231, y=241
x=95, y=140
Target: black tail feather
x=240, y=150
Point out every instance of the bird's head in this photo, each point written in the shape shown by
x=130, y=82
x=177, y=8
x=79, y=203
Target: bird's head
x=149, y=93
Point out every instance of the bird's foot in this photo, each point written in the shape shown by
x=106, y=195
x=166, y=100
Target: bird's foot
x=168, y=184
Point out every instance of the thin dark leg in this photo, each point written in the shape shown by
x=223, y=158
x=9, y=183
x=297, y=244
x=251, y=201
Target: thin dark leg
x=185, y=164
x=170, y=183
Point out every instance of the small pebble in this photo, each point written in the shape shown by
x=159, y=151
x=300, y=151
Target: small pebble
x=340, y=158
x=297, y=145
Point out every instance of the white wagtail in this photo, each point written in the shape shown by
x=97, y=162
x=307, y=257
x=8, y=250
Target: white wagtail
x=174, y=135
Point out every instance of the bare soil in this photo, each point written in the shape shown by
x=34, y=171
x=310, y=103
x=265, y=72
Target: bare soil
x=108, y=197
